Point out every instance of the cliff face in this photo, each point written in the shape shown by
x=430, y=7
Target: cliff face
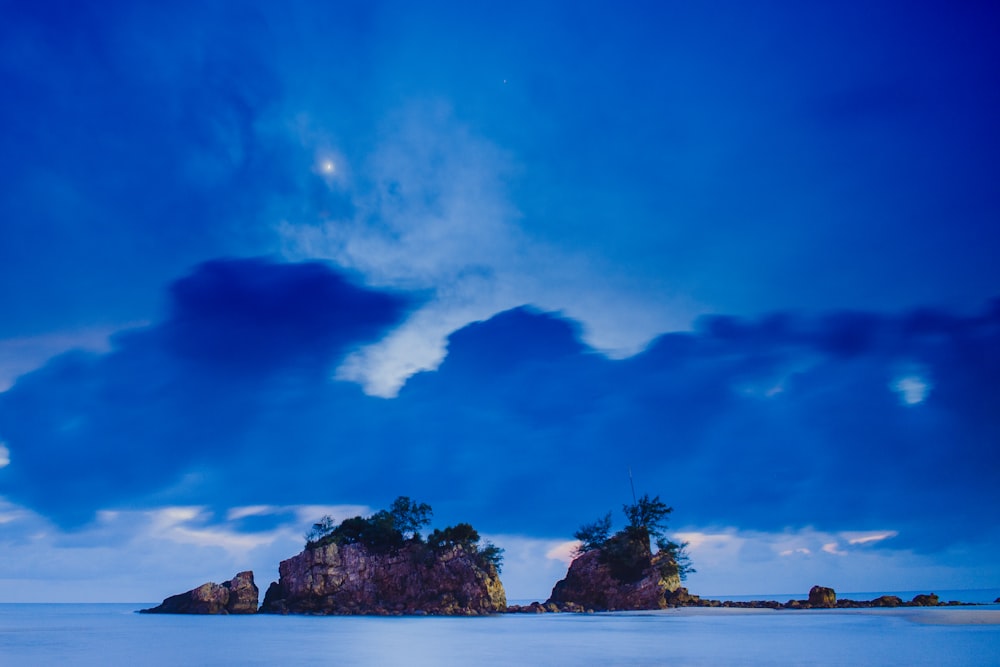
x=236, y=596
x=350, y=579
x=591, y=583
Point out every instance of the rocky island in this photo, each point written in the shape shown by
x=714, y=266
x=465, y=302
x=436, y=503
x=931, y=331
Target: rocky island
x=415, y=579
x=620, y=571
x=376, y=565
x=382, y=565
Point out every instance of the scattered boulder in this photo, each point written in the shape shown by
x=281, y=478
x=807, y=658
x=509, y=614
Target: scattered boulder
x=351, y=579
x=930, y=600
x=236, y=596
x=821, y=596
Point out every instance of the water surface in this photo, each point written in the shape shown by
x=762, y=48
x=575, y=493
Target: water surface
x=112, y=634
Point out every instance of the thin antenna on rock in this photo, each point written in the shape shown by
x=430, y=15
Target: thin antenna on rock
x=632, y=484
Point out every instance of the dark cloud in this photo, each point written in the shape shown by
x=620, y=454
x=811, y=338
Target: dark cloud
x=253, y=315
x=783, y=421
x=244, y=337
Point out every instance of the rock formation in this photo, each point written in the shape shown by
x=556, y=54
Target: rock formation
x=593, y=582
x=236, y=596
x=821, y=596
x=887, y=601
x=351, y=579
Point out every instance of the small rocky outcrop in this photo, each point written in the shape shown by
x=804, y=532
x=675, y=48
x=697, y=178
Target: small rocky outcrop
x=826, y=598
x=548, y=608
x=887, y=601
x=593, y=583
x=239, y=595
x=352, y=579
x=821, y=596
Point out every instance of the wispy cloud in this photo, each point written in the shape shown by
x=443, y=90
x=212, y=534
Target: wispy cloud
x=870, y=537
x=431, y=211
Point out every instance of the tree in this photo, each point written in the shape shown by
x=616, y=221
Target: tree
x=320, y=529
x=460, y=535
x=628, y=552
x=492, y=554
x=409, y=517
x=679, y=561
x=381, y=534
x=386, y=531
x=593, y=535
x=650, y=514
x=466, y=538
x=383, y=531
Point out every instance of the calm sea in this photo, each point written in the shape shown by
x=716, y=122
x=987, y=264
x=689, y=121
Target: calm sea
x=112, y=634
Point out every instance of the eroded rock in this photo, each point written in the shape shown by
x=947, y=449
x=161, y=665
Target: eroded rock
x=350, y=579
x=821, y=596
x=930, y=600
x=237, y=596
x=591, y=583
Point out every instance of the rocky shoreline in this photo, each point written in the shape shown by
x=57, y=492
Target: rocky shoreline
x=300, y=592
x=819, y=597
x=382, y=565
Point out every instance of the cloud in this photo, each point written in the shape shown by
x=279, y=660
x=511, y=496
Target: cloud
x=912, y=389
x=564, y=551
x=834, y=549
x=252, y=316
x=431, y=210
x=484, y=196
x=107, y=173
x=23, y=354
x=734, y=561
x=243, y=338
x=869, y=537
x=523, y=428
x=110, y=558
x=531, y=564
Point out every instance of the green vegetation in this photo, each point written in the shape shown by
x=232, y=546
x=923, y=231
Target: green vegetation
x=388, y=531
x=628, y=552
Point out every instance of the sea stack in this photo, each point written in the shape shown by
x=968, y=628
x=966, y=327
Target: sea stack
x=598, y=580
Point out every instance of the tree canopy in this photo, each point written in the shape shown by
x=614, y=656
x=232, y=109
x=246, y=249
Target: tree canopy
x=648, y=513
x=628, y=552
x=392, y=529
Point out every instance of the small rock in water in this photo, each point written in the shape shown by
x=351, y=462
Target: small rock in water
x=236, y=596
x=821, y=596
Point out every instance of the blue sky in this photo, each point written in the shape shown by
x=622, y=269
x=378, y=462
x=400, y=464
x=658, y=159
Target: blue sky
x=262, y=262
